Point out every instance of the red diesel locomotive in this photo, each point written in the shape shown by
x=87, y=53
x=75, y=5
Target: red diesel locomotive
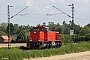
x=42, y=37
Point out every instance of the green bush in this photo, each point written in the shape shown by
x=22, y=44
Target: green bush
x=66, y=38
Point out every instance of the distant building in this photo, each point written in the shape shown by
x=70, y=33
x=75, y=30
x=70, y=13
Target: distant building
x=3, y=39
x=13, y=37
x=50, y=23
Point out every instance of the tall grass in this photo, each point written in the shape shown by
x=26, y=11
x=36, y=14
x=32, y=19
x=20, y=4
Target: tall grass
x=18, y=53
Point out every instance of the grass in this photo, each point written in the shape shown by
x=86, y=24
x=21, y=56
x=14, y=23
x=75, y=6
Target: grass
x=19, y=53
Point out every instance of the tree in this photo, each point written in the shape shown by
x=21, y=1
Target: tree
x=65, y=28
x=77, y=29
x=3, y=27
x=88, y=25
x=15, y=29
x=2, y=33
x=44, y=24
x=11, y=29
x=58, y=28
x=51, y=25
x=85, y=31
x=22, y=36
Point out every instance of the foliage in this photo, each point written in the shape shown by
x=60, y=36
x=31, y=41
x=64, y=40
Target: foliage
x=19, y=53
x=66, y=38
x=22, y=36
x=3, y=27
x=2, y=33
x=88, y=25
x=80, y=33
x=85, y=32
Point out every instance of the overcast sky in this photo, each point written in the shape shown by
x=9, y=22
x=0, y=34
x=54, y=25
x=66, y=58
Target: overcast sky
x=37, y=11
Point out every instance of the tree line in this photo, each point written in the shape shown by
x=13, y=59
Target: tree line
x=22, y=31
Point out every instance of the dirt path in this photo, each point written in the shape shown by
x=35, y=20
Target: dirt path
x=73, y=56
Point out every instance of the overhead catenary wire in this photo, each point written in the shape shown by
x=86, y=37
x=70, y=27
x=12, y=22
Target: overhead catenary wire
x=19, y=12
x=62, y=12
x=33, y=13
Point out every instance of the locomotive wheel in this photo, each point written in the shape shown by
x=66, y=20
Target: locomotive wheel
x=40, y=46
x=60, y=44
x=57, y=46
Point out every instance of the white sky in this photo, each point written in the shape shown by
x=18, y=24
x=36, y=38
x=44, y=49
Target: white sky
x=37, y=11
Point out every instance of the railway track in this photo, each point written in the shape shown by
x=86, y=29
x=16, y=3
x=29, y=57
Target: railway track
x=12, y=44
